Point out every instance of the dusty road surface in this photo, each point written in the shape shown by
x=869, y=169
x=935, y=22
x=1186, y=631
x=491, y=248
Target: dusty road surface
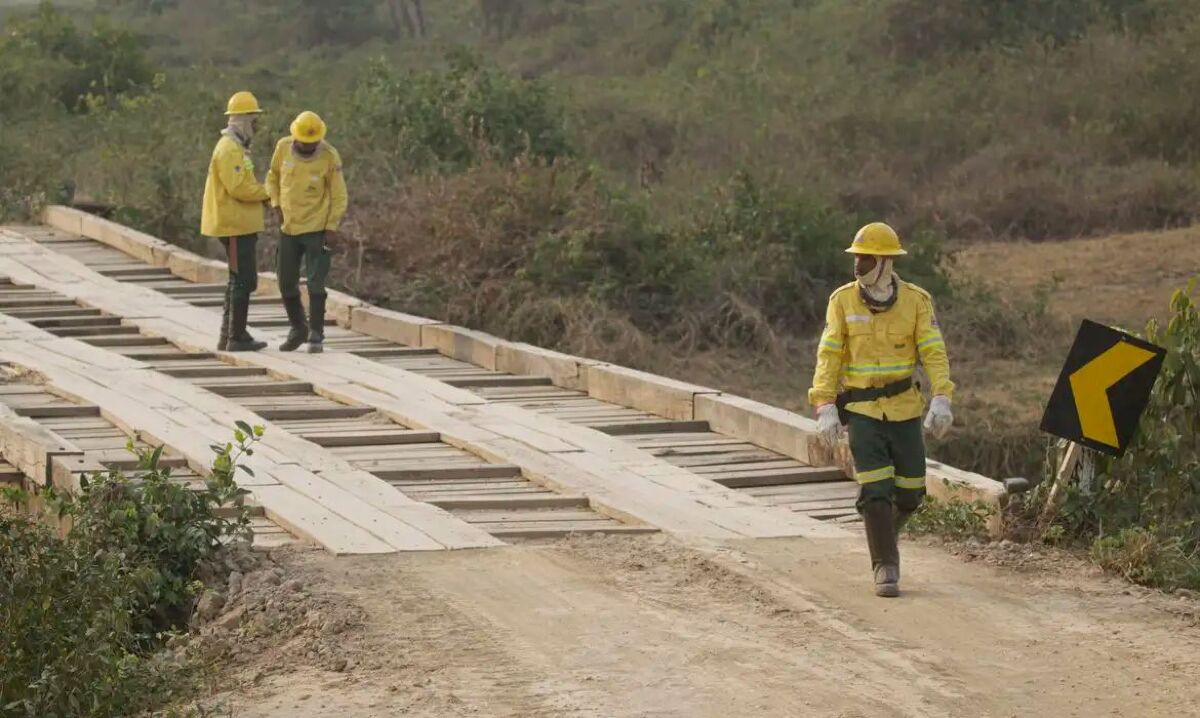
x=643, y=627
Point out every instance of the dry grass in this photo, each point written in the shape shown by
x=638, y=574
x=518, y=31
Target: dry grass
x=1122, y=279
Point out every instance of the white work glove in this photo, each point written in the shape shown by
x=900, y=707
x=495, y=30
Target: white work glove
x=829, y=424
x=939, y=419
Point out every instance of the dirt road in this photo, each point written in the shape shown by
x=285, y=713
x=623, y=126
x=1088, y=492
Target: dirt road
x=643, y=627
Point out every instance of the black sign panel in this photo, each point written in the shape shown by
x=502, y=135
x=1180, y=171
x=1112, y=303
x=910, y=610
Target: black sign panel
x=1103, y=389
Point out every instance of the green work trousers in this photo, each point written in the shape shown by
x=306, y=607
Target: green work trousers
x=243, y=264
x=308, y=248
x=889, y=461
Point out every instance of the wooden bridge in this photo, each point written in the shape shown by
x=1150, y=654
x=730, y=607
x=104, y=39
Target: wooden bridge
x=407, y=434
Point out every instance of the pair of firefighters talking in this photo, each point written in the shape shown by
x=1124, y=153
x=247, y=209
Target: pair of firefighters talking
x=307, y=193
x=877, y=329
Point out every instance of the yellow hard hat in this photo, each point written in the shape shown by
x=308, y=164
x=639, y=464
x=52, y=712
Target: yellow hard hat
x=243, y=103
x=308, y=127
x=877, y=239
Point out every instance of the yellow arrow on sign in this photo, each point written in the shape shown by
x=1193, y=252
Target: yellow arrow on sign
x=1090, y=385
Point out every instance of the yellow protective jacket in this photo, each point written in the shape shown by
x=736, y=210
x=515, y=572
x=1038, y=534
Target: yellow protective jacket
x=233, y=198
x=860, y=350
x=311, y=190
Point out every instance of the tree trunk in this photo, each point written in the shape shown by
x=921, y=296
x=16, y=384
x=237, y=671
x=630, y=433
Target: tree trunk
x=396, y=21
x=418, y=17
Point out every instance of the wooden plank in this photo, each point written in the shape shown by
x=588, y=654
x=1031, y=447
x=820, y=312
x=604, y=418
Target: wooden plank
x=810, y=506
x=274, y=388
x=547, y=533
x=53, y=313
x=122, y=341
x=701, y=462
x=385, y=436
x=171, y=354
x=308, y=519
x=97, y=320
x=658, y=395
x=657, y=427
x=29, y=447
x=499, y=381
x=403, y=453
x=202, y=372
x=40, y=412
x=831, y=489
x=512, y=528
x=520, y=516
x=307, y=413
x=557, y=501
x=90, y=333
x=395, y=351
x=484, y=471
x=734, y=466
x=190, y=288
x=772, y=477
x=36, y=303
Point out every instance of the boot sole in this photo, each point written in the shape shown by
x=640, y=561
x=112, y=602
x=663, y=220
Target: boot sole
x=887, y=590
x=316, y=349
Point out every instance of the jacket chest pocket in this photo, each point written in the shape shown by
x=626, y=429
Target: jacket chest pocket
x=302, y=179
x=861, y=337
x=899, y=343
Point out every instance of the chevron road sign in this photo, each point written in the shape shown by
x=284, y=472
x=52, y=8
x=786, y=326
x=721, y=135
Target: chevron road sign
x=1103, y=389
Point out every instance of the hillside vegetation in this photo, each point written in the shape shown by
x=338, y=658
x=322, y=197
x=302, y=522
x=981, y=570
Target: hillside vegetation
x=667, y=184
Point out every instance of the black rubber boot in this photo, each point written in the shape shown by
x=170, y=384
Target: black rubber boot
x=226, y=317
x=299, y=332
x=902, y=518
x=316, y=323
x=240, y=339
x=879, y=519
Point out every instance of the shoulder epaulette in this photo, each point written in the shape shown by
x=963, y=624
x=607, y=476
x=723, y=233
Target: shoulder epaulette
x=919, y=290
x=843, y=288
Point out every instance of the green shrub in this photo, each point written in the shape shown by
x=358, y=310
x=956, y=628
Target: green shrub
x=1147, y=557
x=445, y=120
x=921, y=29
x=782, y=251
x=80, y=615
x=952, y=519
x=44, y=55
x=998, y=325
x=502, y=243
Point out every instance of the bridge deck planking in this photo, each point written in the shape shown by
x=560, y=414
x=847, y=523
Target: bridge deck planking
x=528, y=392
x=630, y=420
x=105, y=444
x=372, y=450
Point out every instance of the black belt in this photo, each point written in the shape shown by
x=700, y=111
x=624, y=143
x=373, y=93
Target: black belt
x=874, y=393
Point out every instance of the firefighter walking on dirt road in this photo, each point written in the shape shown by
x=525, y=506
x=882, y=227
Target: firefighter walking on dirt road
x=877, y=329
x=233, y=213
x=309, y=193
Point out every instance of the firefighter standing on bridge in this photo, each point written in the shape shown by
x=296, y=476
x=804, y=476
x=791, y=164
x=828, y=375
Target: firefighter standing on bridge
x=877, y=329
x=233, y=213
x=309, y=193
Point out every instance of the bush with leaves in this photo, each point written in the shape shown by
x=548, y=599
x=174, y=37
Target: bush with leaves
x=438, y=120
x=954, y=519
x=80, y=615
x=45, y=56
